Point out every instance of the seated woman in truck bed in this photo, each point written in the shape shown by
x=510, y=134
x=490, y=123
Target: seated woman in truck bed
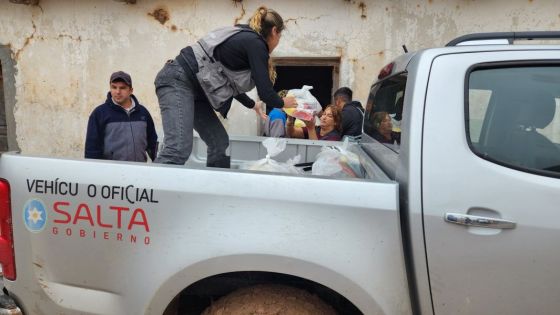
x=331, y=126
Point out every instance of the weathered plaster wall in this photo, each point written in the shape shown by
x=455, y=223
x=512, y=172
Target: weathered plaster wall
x=65, y=50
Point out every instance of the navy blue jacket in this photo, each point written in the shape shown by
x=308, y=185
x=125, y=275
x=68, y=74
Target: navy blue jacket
x=114, y=134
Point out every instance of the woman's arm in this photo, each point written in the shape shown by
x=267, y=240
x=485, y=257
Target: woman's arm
x=257, y=53
x=311, y=129
x=292, y=131
x=245, y=100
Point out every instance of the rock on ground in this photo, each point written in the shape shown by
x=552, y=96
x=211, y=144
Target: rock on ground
x=269, y=300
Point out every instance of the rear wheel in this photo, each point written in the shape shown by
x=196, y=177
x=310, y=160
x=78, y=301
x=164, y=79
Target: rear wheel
x=269, y=299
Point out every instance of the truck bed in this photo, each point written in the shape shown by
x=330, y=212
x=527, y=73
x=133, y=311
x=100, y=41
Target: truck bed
x=250, y=148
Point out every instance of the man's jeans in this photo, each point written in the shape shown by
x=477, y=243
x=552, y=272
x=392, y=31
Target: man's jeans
x=182, y=109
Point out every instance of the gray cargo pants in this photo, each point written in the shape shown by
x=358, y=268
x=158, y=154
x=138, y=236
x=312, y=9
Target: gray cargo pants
x=182, y=109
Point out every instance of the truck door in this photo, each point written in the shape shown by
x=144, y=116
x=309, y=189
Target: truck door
x=491, y=182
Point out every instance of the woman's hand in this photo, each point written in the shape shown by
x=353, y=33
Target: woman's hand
x=289, y=102
x=290, y=129
x=311, y=132
x=258, y=109
x=310, y=124
x=290, y=121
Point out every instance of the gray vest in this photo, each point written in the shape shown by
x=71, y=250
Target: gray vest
x=218, y=82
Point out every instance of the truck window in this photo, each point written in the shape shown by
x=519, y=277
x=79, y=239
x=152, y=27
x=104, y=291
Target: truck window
x=513, y=116
x=386, y=97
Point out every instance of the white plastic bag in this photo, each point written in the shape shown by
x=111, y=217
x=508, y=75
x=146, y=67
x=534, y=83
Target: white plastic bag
x=274, y=146
x=338, y=162
x=308, y=105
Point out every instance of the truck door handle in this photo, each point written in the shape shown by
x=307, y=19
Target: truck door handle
x=473, y=220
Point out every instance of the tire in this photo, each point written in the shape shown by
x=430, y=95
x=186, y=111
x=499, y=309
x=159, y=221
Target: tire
x=269, y=299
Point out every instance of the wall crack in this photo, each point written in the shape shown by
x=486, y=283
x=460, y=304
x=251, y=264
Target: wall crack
x=27, y=42
x=237, y=19
x=295, y=20
x=78, y=39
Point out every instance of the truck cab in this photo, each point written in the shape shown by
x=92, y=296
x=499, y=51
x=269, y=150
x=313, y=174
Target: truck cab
x=478, y=168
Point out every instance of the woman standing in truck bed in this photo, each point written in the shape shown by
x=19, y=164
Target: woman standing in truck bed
x=206, y=76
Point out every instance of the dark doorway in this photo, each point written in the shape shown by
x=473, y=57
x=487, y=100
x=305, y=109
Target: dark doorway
x=3, y=125
x=294, y=77
x=320, y=73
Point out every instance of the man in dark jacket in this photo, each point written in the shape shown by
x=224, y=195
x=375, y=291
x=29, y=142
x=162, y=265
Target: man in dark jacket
x=121, y=128
x=352, y=112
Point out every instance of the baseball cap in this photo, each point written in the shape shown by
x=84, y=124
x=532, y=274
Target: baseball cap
x=121, y=76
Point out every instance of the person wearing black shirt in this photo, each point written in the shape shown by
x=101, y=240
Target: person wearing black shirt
x=352, y=112
x=206, y=76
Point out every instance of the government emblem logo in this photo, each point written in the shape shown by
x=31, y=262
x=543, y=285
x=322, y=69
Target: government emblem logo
x=35, y=215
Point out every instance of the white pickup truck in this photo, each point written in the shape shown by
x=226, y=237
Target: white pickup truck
x=457, y=219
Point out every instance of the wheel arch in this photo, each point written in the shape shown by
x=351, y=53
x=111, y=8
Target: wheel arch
x=207, y=273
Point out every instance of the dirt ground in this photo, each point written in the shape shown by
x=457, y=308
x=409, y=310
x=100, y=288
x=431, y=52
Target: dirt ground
x=269, y=300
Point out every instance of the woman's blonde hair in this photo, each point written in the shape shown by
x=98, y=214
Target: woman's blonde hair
x=262, y=22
